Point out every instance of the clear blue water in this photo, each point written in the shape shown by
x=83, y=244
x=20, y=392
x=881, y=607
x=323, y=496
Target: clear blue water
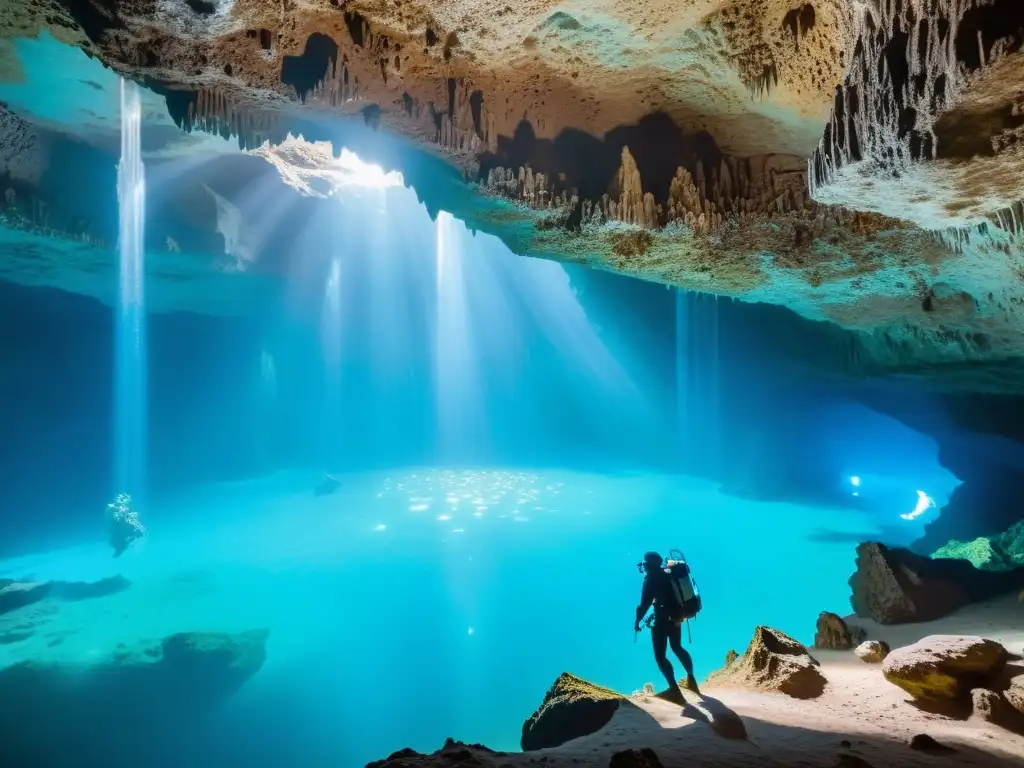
x=421, y=603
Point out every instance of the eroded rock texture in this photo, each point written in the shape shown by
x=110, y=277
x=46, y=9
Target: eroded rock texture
x=945, y=667
x=858, y=162
x=832, y=633
x=895, y=586
x=773, y=662
x=571, y=708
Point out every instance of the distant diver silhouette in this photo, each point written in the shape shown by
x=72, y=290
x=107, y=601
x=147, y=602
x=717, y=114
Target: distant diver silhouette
x=671, y=591
x=125, y=527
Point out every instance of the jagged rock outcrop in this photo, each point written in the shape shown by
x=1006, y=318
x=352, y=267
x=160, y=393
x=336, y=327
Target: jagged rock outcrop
x=773, y=662
x=834, y=634
x=454, y=754
x=895, y=586
x=19, y=594
x=945, y=667
x=872, y=651
x=700, y=180
x=571, y=708
x=108, y=705
x=992, y=707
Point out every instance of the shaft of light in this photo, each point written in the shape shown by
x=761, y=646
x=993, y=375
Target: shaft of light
x=130, y=353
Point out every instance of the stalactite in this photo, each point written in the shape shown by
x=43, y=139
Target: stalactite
x=870, y=102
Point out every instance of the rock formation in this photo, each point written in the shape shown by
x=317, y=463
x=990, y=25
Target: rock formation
x=453, y=753
x=833, y=634
x=19, y=594
x=1002, y=552
x=945, y=667
x=571, y=708
x=762, y=168
x=1014, y=693
x=124, y=698
x=895, y=586
x=993, y=707
x=872, y=651
x=773, y=662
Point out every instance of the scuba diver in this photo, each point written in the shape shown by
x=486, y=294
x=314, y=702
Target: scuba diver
x=672, y=593
x=125, y=527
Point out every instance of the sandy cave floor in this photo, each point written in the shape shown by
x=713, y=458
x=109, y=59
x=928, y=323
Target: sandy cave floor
x=860, y=719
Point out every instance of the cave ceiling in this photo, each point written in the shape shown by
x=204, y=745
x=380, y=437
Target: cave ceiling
x=858, y=161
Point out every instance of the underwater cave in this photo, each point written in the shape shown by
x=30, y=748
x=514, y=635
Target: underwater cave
x=327, y=438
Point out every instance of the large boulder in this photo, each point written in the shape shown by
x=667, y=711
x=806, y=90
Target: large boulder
x=774, y=662
x=945, y=667
x=119, y=704
x=571, y=708
x=896, y=586
x=832, y=633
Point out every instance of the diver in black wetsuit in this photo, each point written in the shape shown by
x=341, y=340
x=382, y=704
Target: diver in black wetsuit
x=666, y=630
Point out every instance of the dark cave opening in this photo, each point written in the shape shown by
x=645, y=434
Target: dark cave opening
x=1002, y=19
x=304, y=72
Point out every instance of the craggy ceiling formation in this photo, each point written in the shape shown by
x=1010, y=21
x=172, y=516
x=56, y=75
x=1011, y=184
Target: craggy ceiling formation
x=856, y=160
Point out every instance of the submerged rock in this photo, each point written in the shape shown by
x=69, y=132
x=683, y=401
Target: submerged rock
x=119, y=702
x=895, y=586
x=327, y=486
x=20, y=594
x=571, y=708
x=774, y=661
x=872, y=651
x=944, y=667
x=834, y=634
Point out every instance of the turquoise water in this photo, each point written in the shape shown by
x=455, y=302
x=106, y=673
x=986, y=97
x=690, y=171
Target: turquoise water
x=423, y=603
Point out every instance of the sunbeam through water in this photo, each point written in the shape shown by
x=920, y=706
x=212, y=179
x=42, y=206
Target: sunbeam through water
x=130, y=384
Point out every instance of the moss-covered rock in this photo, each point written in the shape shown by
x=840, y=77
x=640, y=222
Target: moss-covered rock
x=945, y=667
x=774, y=661
x=571, y=708
x=1002, y=552
x=981, y=553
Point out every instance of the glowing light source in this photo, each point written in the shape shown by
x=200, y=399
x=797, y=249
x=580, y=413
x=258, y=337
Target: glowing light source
x=855, y=481
x=924, y=503
x=312, y=168
x=351, y=171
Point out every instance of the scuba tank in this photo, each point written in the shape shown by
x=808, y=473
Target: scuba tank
x=684, y=588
